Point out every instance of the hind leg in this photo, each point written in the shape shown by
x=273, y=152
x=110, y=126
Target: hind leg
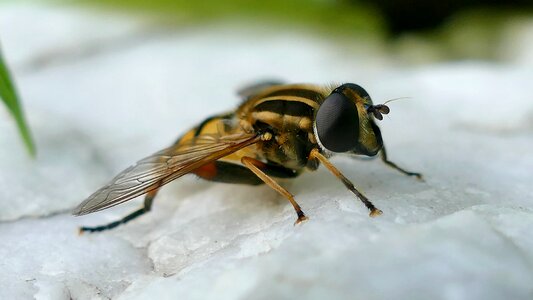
x=148, y=200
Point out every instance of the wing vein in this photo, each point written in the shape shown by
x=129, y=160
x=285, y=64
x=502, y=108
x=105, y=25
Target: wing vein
x=156, y=170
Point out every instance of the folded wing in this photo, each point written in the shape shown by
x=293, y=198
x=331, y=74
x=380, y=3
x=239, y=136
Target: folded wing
x=162, y=167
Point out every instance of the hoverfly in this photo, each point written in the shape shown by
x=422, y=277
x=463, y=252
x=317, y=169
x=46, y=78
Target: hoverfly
x=277, y=132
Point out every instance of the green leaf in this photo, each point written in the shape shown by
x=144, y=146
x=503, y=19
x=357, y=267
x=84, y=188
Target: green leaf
x=9, y=96
x=340, y=18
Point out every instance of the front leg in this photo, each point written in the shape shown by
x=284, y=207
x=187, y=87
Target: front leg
x=315, y=154
x=394, y=166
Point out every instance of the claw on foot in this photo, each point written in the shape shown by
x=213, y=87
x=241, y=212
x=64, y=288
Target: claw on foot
x=375, y=212
x=420, y=177
x=417, y=175
x=301, y=219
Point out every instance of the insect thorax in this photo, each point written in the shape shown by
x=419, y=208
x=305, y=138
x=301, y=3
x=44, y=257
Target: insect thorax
x=288, y=115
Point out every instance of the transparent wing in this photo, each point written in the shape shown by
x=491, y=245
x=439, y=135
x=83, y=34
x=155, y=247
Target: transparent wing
x=248, y=91
x=162, y=167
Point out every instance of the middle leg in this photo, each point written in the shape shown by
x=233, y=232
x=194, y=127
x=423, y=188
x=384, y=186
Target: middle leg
x=256, y=166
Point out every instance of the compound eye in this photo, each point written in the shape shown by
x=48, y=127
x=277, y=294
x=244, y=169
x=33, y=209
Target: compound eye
x=356, y=88
x=337, y=123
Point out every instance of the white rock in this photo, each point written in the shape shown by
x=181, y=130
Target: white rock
x=464, y=233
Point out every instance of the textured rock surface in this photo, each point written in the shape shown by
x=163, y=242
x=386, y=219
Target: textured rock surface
x=464, y=233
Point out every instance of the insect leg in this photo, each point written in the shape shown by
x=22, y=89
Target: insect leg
x=148, y=200
x=255, y=166
x=394, y=166
x=315, y=154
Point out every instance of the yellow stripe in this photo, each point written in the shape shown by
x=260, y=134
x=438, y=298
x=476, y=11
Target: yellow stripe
x=309, y=102
x=279, y=121
x=278, y=88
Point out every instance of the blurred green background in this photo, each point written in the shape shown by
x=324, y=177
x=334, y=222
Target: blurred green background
x=453, y=29
x=415, y=31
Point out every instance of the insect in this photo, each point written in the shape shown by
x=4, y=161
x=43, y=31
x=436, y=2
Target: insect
x=278, y=131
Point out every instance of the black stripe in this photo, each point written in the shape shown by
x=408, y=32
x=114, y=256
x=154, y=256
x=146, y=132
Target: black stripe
x=284, y=107
x=202, y=125
x=298, y=92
